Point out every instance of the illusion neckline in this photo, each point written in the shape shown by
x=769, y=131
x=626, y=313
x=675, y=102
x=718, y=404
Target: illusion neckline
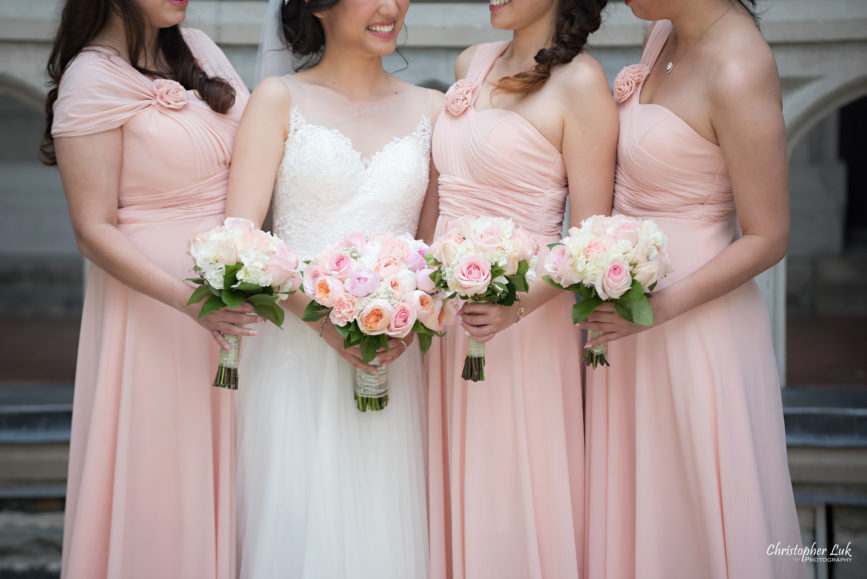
x=422, y=127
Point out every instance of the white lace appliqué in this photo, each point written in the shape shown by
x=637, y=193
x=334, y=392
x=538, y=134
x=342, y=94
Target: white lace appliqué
x=326, y=189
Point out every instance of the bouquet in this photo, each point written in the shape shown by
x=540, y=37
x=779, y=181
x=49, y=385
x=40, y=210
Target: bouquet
x=238, y=263
x=617, y=259
x=486, y=259
x=372, y=288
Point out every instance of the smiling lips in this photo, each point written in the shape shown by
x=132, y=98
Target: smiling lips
x=497, y=4
x=382, y=29
x=179, y=3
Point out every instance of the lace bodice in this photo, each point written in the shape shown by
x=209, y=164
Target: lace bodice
x=325, y=188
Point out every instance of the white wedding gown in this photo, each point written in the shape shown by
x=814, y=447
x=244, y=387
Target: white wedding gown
x=326, y=491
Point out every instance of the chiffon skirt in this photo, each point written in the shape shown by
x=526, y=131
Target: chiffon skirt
x=324, y=490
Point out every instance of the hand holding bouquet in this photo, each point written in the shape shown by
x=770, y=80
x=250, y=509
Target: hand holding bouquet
x=617, y=259
x=372, y=288
x=238, y=263
x=486, y=259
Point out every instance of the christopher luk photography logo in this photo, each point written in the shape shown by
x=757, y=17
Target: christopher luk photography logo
x=813, y=553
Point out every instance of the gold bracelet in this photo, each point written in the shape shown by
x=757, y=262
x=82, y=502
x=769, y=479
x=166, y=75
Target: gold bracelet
x=322, y=327
x=520, y=312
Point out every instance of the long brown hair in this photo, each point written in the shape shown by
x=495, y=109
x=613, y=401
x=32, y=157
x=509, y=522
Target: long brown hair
x=576, y=20
x=82, y=20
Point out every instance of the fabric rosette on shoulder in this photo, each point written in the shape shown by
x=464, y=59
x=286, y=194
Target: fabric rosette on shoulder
x=371, y=288
x=618, y=259
x=237, y=263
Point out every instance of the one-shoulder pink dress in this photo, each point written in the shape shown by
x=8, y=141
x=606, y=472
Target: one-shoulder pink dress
x=149, y=487
x=686, y=450
x=507, y=453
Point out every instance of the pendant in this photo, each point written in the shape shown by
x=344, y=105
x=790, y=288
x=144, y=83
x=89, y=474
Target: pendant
x=669, y=66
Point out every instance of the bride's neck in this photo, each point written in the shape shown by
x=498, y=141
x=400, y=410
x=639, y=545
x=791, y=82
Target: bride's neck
x=358, y=78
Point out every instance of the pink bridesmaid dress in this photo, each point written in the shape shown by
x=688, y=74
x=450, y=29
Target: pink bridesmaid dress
x=149, y=490
x=686, y=451
x=506, y=454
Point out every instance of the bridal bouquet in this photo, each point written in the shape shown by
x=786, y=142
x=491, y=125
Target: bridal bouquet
x=373, y=287
x=238, y=263
x=486, y=259
x=617, y=259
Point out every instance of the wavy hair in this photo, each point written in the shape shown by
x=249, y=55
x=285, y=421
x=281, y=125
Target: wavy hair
x=82, y=20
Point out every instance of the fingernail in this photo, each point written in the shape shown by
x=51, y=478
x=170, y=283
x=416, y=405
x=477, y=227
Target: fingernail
x=261, y=319
x=254, y=332
x=466, y=332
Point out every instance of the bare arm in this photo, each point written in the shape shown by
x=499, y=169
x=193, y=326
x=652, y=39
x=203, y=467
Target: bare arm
x=90, y=169
x=589, y=146
x=746, y=112
x=257, y=156
x=430, y=208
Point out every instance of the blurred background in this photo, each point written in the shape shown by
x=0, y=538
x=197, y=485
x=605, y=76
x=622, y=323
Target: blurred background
x=817, y=297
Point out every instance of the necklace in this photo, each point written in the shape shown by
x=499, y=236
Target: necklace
x=671, y=63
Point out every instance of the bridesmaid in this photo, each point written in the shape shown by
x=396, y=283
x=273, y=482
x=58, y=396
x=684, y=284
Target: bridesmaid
x=687, y=472
x=529, y=124
x=141, y=120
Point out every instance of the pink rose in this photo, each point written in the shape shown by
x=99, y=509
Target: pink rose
x=388, y=266
x=374, y=317
x=394, y=247
x=615, y=281
x=256, y=240
x=401, y=321
x=446, y=246
x=354, y=240
x=344, y=309
x=238, y=224
x=310, y=276
x=473, y=275
x=525, y=245
x=362, y=282
x=282, y=265
x=227, y=252
x=488, y=236
x=423, y=280
x=595, y=247
x=422, y=302
x=415, y=260
x=460, y=96
x=556, y=259
x=626, y=229
x=339, y=266
x=326, y=291
x=442, y=314
x=645, y=273
x=401, y=283
x=169, y=94
x=628, y=80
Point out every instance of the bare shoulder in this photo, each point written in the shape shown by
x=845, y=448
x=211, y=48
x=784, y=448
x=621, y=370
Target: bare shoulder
x=746, y=73
x=582, y=77
x=431, y=100
x=272, y=94
x=462, y=65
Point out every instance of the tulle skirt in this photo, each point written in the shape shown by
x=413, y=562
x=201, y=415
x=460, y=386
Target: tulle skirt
x=326, y=491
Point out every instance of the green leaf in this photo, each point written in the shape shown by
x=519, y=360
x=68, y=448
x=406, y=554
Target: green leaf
x=519, y=282
x=582, y=310
x=230, y=275
x=424, y=342
x=555, y=244
x=211, y=305
x=196, y=280
x=271, y=312
x=232, y=299
x=246, y=286
x=314, y=311
x=369, y=347
x=548, y=280
x=261, y=299
x=635, y=307
x=344, y=331
x=201, y=293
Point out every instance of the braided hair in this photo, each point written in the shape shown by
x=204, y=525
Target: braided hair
x=576, y=20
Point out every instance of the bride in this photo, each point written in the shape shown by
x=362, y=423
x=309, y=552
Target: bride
x=325, y=491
